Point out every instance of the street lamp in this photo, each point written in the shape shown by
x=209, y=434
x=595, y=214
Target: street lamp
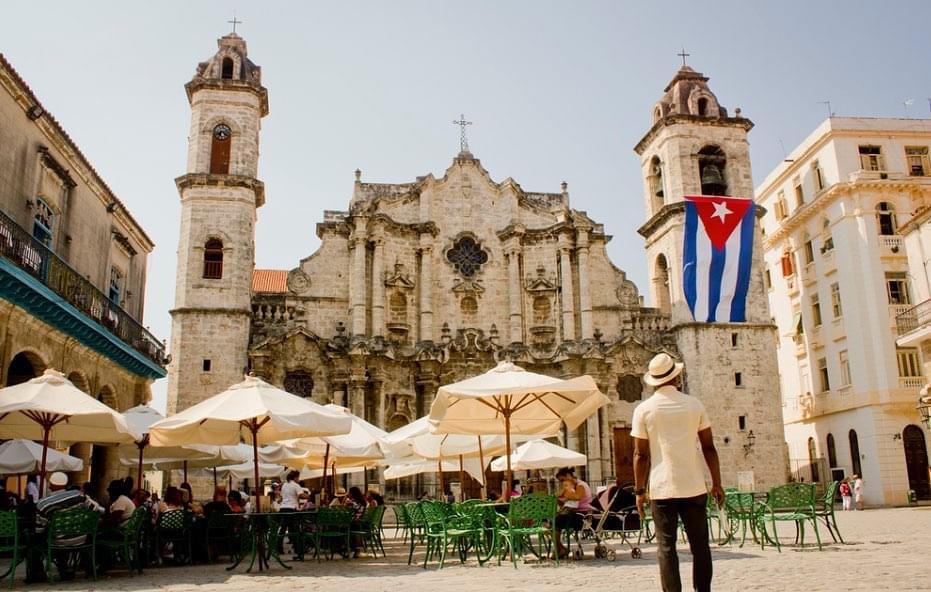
x=751, y=440
x=924, y=405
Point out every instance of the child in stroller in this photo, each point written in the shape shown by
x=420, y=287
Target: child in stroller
x=615, y=515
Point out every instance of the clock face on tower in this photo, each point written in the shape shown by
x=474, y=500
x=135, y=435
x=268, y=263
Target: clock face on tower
x=221, y=132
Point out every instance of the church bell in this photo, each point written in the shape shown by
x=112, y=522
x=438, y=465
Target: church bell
x=712, y=181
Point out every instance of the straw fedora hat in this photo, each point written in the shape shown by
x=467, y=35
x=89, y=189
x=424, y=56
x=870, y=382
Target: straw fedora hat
x=58, y=479
x=662, y=369
x=340, y=492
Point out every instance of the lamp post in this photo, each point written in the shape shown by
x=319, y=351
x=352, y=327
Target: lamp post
x=924, y=407
x=751, y=440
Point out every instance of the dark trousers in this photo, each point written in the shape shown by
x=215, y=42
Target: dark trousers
x=666, y=515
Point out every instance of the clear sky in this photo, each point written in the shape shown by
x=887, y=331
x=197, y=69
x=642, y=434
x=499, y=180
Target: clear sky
x=557, y=90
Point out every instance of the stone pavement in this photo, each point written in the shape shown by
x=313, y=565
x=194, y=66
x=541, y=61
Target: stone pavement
x=887, y=550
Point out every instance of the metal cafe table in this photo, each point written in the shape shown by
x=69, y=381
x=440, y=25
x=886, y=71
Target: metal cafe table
x=259, y=528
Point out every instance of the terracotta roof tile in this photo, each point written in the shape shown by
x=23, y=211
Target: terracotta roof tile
x=270, y=281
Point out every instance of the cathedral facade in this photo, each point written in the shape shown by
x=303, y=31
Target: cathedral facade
x=424, y=283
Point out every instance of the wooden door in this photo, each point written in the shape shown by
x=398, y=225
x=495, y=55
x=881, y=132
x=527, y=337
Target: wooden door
x=916, y=461
x=623, y=455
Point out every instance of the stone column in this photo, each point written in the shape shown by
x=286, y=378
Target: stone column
x=426, y=287
x=378, y=288
x=357, y=282
x=357, y=407
x=585, y=294
x=568, y=293
x=514, y=294
x=593, y=432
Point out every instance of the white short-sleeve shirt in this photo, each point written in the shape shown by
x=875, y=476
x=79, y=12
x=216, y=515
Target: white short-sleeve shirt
x=290, y=494
x=671, y=420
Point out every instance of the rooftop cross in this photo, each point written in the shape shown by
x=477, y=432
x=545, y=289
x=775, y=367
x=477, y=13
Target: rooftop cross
x=463, y=141
x=683, y=55
x=234, y=22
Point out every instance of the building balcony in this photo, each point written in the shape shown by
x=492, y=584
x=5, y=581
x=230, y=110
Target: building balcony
x=39, y=281
x=911, y=382
x=892, y=245
x=913, y=324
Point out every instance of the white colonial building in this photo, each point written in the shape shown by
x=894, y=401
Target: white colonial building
x=838, y=276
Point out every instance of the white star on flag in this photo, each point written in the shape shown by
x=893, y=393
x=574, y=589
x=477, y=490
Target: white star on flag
x=721, y=211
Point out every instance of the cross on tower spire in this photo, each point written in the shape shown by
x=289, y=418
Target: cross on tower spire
x=234, y=22
x=683, y=55
x=463, y=140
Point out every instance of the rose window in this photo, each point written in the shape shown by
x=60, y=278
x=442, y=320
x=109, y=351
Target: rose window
x=466, y=256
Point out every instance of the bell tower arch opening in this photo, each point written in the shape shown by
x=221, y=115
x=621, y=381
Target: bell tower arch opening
x=712, y=164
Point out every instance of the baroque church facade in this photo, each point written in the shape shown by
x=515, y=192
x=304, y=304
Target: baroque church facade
x=424, y=283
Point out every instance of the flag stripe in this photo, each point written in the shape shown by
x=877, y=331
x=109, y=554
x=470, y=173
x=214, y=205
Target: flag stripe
x=689, y=270
x=715, y=280
x=739, y=310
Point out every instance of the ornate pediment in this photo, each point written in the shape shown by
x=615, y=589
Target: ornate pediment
x=399, y=278
x=471, y=286
x=541, y=282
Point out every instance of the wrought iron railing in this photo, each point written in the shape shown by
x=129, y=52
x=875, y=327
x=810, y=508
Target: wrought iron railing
x=36, y=259
x=913, y=318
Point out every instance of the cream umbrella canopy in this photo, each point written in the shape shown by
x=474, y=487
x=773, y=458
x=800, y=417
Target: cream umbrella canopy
x=141, y=418
x=539, y=454
x=49, y=407
x=25, y=456
x=250, y=410
x=509, y=400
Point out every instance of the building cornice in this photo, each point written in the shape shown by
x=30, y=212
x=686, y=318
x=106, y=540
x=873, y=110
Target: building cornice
x=205, y=180
x=671, y=120
x=228, y=85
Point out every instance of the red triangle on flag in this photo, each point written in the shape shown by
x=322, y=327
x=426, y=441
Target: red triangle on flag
x=719, y=215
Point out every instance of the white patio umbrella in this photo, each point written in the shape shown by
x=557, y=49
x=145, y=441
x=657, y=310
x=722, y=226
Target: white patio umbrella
x=246, y=470
x=309, y=473
x=416, y=467
x=49, y=407
x=19, y=457
x=141, y=418
x=509, y=400
x=251, y=410
x=361, y=447
x=539, y=454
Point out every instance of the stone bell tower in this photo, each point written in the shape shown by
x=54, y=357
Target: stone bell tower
x=216, y=249
x=694, y=147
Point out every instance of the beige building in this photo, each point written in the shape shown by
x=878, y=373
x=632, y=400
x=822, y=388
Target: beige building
x=838, y=277
x=72, y=267
x=424, y=283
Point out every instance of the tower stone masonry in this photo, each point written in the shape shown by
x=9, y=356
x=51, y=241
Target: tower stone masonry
x=695, y=148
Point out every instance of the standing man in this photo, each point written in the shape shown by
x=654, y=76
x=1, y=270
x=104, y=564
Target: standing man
x=667, y=430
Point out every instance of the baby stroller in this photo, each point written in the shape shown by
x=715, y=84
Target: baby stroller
x=616, y=516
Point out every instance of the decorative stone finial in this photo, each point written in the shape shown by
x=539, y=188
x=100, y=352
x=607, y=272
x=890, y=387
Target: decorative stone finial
x=358, y=176
x=564, y=186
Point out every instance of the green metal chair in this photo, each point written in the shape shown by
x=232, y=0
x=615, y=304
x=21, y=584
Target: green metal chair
x=333, y=526
x=10, y=542
x=443, y=529
x=824, y=509
x=742, y=514
x=72, y=531
x=368, y=528
x=528, y=516
x=402, y=522
x=417, y=526
x=127, y=540
x=793, y=502
x=218, y=531
x=174, y=527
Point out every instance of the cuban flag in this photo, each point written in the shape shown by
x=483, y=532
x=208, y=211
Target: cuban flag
x=717, y=255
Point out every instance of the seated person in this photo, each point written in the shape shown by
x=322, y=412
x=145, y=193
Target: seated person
x=121, y=507
x=219, y=503
x=234, y=499
x=575, y=499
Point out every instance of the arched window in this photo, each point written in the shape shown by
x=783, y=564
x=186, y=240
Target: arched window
x=661, y=288
x=397, y=307
x=813, y=461
x=299, y=383
x=832, y=451
x=213, y=259
x=24, y=366
x=657, y=114
x=542, y=310
x=711, y=166
x=702, y=107
x=42, y=222
x=855, y=453
x=657, y=188
x=220, y=150
x=885, y=214
x=227, y=69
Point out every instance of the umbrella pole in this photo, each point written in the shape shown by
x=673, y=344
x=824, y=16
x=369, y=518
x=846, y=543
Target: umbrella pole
x=184, y=466
x=141, y=444
x=481, y=459
x=439, y=468
x=45, y=436
x=461, y=481
x=326, y=459
x=507, y=445
x=214, y=477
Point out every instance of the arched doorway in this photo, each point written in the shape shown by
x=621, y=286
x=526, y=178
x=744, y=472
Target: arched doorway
x=916, y=461
x=24, y=366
